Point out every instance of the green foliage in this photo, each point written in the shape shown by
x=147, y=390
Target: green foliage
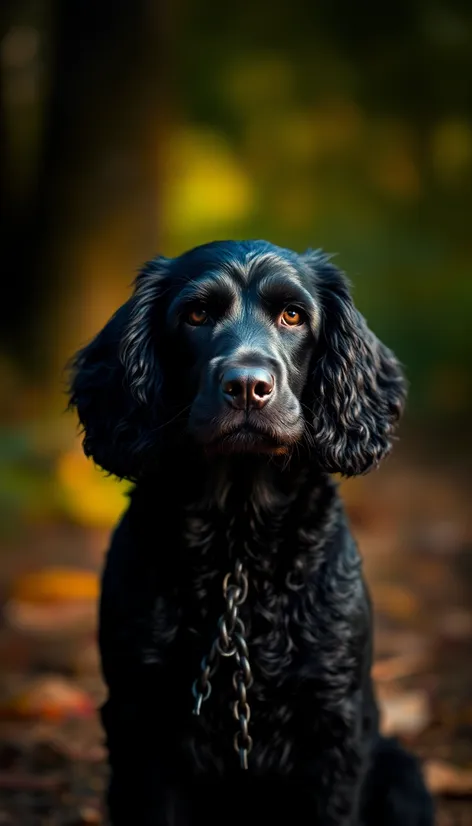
x=348, y=128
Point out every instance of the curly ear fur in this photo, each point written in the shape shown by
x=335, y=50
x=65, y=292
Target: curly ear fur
x=357, y=383
x=116, y=382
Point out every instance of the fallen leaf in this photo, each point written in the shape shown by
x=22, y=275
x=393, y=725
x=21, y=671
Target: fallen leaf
x=89, y=815
x=395, y=601
x=407, y=713
x=396, y=668
x=55, y=619
x=50, y=698
x=56, y=585
x=447, y=779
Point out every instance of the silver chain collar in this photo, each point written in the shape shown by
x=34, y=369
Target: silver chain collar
x=230, y=642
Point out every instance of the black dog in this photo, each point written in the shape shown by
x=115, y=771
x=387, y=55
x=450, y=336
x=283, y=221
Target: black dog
x=234, y=380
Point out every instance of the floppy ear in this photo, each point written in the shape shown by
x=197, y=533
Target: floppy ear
x=358, y=389
x=116, y=381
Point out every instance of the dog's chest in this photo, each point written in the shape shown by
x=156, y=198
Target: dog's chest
x=289, y=690
x=213, y=737
x=292, y=650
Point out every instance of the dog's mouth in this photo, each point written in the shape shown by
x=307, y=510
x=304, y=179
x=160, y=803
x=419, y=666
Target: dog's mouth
x=247, y=432
x=247, y=439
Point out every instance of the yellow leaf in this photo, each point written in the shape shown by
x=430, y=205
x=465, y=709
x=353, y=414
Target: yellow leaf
x=208, y=188
x=56, y=585
x=90, y=497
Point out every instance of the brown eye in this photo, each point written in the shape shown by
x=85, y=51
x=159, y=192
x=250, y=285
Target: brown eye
x=197, y=317
x=291, y=317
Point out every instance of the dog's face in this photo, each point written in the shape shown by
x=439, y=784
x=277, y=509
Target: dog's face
x=247, y=348
x=244, y=332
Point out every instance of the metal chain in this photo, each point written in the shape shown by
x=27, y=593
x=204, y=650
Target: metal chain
x=230, y=642
x=201, y=688
x=242, y=680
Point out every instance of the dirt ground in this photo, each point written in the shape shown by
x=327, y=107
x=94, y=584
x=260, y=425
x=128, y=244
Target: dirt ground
x=412, y=526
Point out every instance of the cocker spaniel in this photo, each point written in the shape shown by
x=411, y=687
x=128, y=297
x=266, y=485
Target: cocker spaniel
x=235, y=624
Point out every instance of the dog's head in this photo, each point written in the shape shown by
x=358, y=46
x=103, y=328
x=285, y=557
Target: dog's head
x=245, y=347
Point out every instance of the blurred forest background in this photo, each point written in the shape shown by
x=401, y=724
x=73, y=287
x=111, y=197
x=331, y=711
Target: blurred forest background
x=129, y=129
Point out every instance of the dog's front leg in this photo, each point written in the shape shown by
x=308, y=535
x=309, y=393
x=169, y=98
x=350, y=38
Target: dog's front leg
x=330, y=789
x=341, y=778
x=142, y=789
x=333, y=762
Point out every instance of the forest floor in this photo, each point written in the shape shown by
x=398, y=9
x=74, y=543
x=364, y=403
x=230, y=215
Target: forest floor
x=412, y=527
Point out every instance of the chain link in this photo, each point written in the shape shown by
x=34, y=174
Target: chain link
x=230, y=642
x=201, y=688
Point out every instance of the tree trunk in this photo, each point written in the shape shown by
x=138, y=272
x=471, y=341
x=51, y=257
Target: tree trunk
x=93, y=215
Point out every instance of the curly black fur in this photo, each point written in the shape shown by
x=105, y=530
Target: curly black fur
x=214, y=483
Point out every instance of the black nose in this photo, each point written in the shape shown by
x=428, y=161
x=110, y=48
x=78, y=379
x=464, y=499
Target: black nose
x=247, y=388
